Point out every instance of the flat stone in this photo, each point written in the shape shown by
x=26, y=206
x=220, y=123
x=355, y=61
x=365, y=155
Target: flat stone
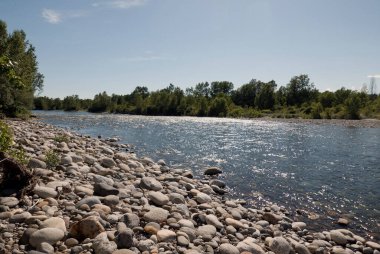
x=156, y=214
x=212, y=171
x=20, y=217
x=226, y=248
x=45, y=192
x=36, y=163
x=206, y=230
x=272, y=218
x=235, y=223
x=298, y=225
x=54, y=222
x=103, y=189
x=373, y=245
x=158, y=198
x=9, y=201
x=48, y=235
x=342, y=221
x=90, y=201
x=250, y=247
x=166, y=235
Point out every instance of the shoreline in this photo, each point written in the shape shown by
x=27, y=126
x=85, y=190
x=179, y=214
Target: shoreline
x=361, y=123
x=141, y=205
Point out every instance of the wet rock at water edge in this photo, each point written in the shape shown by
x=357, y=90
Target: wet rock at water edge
x=212, y=171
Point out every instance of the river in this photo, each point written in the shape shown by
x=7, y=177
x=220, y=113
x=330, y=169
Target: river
x=326, y=170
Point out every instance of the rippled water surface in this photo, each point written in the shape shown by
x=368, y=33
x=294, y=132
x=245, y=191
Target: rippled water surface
x=329, y=170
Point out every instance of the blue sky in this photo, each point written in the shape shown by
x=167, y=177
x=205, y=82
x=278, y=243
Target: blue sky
x=89, y=46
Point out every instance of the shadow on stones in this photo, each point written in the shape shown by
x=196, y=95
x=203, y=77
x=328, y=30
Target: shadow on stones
x=15, y=179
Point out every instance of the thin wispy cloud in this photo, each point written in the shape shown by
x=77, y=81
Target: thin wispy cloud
x=120, y=4
x=374, y=76
x=52, y=16
x=55, y=16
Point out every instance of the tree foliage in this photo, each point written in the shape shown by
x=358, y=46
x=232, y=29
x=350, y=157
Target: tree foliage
x=298, y=98
x=19, y=76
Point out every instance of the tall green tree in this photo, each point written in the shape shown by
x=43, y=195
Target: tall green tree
x=299, y=90
x=19, y=76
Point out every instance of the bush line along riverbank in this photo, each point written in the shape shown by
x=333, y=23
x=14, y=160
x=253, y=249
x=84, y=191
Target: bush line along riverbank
x=92, y=197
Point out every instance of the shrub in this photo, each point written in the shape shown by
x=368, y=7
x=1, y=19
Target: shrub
x=6, y=137
x=61, y=138
x=52, y=159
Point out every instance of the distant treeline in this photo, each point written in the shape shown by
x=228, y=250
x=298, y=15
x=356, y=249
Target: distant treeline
x=299, y=98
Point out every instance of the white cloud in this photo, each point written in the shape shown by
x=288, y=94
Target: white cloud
x=374, y=76
x=51, y=16
x=120, y=4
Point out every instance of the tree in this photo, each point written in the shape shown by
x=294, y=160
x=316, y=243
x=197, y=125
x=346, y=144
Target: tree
x=71, y=103
x=218, y=106
x=300, y=90
x=101, y=103
x=265, y=96
x=246, y=94
x=221, y=87
x=19, y=76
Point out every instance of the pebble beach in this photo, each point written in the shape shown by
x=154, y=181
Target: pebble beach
x=100, y=198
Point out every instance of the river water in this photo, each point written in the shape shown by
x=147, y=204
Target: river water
x=327, y=170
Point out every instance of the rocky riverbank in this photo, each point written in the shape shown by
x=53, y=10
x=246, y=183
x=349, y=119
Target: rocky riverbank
x=97, y=198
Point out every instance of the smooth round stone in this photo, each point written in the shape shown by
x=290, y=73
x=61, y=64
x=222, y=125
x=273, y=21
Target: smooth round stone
x=182, y=240
x=250, y=247
x=235, y=223
x=227, y=248
x=66, y=160
x=145, y=245
x=158, y=198
x=158, y=215
x=46, y=248
x=206, y=230
x=107, y=162
x=45, y=192
x=83, y=189
x=48, y=235
x=279, y=245
x=298, y=225
x=90, y=201
x=177, y=198
x=186, y=223
x=166, y=235
x=131, y=220
x=70, y=242
x=338, y=237
x=54, y=222
x=36, y=163
x=152, y=228
x=20, y=217
x=150, y=183
x=213, y=220
x=373, y=245
x=9, y=201
x=203, y=198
